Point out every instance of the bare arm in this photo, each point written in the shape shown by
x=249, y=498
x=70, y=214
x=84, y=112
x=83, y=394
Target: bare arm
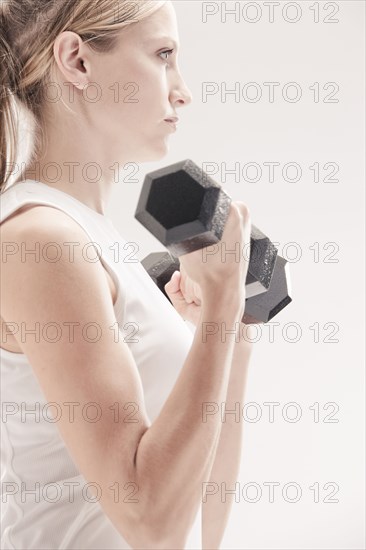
x=216, y=505
x=174, y=455
x=166, y=460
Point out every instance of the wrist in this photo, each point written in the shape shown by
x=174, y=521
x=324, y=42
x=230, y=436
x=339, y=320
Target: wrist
x=223, y=309
x=225, y=301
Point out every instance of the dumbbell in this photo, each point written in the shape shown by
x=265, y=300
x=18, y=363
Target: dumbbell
x=186, y=210
x=258, y=309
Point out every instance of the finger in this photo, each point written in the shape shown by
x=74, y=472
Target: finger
x=186, y=288
x=244, y=210
x=173, y=286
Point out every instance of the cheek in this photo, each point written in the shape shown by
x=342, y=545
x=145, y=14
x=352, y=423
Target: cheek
x=149, y=80
x=142, y=100
x=133, y=96
x=152, y=89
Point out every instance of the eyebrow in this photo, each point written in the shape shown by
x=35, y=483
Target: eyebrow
x=162, y=37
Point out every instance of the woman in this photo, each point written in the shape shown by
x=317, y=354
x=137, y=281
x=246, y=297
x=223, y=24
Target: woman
x=103, y=383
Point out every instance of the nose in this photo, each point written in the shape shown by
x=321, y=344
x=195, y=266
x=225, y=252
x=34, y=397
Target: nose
x=180, y=94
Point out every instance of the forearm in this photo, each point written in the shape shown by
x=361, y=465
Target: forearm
x=174, y=453
x=225, y=463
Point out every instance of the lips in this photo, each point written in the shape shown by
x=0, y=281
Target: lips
x=173, y=119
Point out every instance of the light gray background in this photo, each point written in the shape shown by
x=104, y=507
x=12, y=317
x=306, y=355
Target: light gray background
x=305, y=372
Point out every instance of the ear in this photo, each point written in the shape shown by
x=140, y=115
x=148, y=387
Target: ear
x=72, y=58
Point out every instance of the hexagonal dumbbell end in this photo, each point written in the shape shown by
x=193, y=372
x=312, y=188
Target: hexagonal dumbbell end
x=261, y=263
x=186, y=210
x=183, y=207
x=263, y=307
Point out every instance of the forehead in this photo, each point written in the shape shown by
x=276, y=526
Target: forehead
x=160, y=25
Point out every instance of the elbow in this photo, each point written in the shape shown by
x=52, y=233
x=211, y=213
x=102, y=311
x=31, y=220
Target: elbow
x=148, y=535
x=160, y=520
x=155, y=530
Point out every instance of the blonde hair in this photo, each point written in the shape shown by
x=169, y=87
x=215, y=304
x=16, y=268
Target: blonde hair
x=28, y=30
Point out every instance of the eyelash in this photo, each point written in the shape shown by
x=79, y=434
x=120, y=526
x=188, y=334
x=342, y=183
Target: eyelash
x=166, y=51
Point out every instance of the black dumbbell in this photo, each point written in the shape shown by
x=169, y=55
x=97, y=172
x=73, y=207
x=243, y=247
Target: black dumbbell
x=263, y=307
x=258, y=309
x=186, y=210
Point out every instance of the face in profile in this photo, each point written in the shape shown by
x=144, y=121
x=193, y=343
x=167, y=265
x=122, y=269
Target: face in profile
x=142, y=87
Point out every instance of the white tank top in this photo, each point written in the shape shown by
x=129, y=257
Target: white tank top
x=45, y=502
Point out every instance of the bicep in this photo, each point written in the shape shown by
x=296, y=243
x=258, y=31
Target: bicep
x=79, y=359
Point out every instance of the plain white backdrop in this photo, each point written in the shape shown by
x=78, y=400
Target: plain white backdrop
x=312, y=367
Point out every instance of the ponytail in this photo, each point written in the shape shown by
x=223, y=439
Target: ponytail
x=8, y=119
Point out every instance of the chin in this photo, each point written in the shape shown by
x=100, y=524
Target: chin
x=155, y=154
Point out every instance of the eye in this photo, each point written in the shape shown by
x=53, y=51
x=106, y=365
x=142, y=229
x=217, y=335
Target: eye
x=169, y=52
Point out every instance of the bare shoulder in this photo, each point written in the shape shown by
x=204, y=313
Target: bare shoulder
x=32, y=225
x=46, y=231
x=43, y=243
x=38, y=246
x=33, y=218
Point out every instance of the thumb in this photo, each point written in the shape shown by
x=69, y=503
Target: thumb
x=173, y=286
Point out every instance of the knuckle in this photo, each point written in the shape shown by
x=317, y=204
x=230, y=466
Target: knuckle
x=235, y=208
x=243, y=210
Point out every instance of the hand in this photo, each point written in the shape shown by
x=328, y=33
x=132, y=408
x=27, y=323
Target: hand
x=219, y=274
x=185, y=296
